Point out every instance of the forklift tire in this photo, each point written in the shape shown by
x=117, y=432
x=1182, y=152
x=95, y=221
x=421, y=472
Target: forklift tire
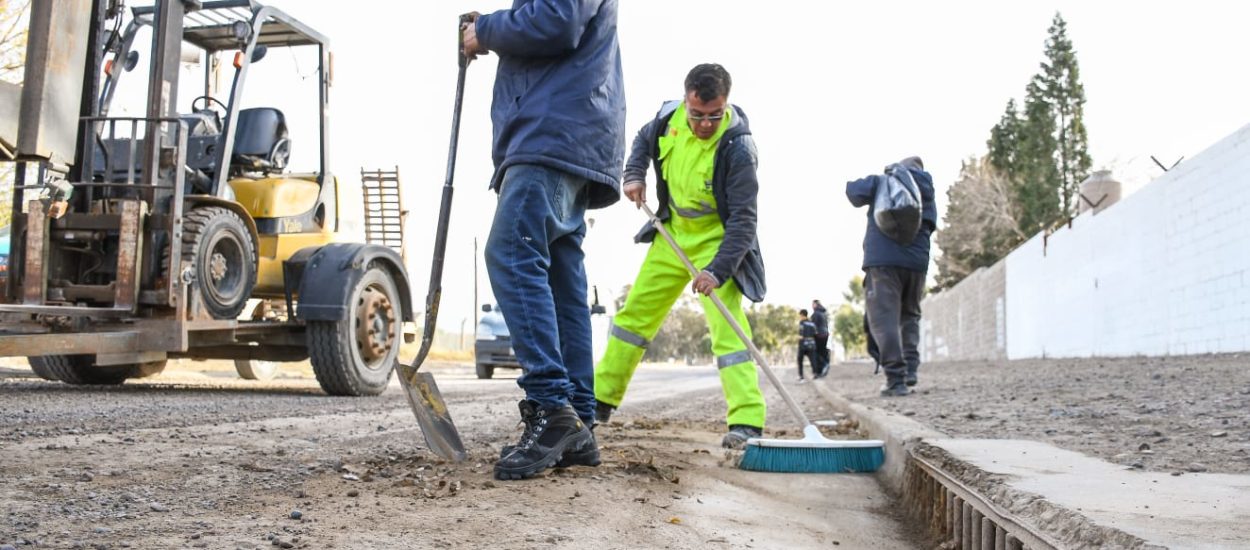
x=81, y=369
x=355, y=356
x=42, y=369
x=255, y=369
x=485, y=372
x=218, y=247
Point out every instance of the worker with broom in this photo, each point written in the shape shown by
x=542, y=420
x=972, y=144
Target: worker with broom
x=559, y=142
x=705, y=168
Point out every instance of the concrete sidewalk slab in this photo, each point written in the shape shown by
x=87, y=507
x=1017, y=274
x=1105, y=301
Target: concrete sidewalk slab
x=1073, y=499
x=1187, y=511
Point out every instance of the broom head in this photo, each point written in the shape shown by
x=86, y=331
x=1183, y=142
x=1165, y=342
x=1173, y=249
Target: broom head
x=814, y=454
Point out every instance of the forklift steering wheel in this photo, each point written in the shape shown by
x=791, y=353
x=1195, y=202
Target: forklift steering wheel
x=207, y=101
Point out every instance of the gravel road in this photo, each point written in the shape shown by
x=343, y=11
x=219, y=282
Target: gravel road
x=195, y=458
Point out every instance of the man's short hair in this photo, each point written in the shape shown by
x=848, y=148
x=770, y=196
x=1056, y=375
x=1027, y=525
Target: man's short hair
x=802, y=312
x=708, y=81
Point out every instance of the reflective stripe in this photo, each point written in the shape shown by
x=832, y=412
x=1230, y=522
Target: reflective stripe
x=629, y=337
x=733, y=359
x=704, y=210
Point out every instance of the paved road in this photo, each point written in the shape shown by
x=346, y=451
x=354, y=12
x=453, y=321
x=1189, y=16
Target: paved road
x=196, y=458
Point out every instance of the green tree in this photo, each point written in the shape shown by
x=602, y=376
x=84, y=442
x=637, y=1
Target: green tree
x=1051, y=151
x=854, y=293
x=1038, y=153
x=1061, y=75
x=1004, y=142
x=848, y=319
x=848, y=328
x=683, y=335
x=1036, y=180
x=774, y=328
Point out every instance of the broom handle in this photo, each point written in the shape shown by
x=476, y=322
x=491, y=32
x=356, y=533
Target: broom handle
x=724, y=311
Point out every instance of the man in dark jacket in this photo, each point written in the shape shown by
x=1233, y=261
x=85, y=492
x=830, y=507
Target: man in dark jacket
x=894, y=279
x=559, y=142
x=820, y=318
x=807, y=345
x=705, y=169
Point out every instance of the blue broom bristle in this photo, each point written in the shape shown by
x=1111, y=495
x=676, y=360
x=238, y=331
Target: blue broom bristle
x=801, y=460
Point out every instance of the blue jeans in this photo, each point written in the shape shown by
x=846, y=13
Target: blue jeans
x=534, y=260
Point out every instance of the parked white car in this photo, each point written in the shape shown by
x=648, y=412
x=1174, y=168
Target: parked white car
x=492, y=348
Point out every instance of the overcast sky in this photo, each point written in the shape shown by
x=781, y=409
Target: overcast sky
x=834, y=91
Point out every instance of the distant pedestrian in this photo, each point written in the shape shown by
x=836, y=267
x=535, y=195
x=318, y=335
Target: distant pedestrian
x=820, y=318
x=895, y=276
x=807, y=346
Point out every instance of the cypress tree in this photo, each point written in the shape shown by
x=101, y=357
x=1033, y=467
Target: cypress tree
x=1061, y=75
x=1004, y=140
x=1036, y=180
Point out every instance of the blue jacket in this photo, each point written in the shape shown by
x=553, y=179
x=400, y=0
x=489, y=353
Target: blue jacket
x=881, y=251
x=735, y=186
x=559, y=95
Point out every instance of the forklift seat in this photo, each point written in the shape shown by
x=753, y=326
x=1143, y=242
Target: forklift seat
x=261, y=142
x=202, y=123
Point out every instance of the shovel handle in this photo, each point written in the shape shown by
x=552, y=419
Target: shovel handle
x=724, y=311
x=435, y=293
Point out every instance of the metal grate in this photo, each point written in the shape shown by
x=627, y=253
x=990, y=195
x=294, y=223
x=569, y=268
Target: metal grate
x=958, y=517
x=384, y=211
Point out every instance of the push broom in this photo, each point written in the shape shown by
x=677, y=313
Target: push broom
x=814, y=453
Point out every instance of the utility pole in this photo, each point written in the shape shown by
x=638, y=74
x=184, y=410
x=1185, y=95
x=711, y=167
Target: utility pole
x=475, y=306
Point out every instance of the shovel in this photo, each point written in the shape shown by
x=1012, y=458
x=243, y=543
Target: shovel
x=427, y=402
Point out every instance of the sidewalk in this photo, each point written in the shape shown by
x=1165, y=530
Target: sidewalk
x=1071, y=499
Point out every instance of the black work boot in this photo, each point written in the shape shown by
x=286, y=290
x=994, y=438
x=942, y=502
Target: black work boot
x=588, y=455
x=911, y=379
x=548, y=434
x=738, y=436
x=603, y=412
x=896, y=388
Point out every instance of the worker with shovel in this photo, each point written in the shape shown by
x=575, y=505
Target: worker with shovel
x=559, y=142
x=705, y=165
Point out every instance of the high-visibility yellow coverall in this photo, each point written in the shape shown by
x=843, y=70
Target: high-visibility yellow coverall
x=697, y=228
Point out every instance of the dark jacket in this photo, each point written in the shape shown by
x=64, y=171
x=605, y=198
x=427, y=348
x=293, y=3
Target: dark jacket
x=807, y=334
x=821, y=320
x=880, y=250
x=559, y=96
x=735, y=186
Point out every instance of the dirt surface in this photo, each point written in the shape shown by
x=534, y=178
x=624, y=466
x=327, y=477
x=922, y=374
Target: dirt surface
x=196, y=458
x=1174, y=414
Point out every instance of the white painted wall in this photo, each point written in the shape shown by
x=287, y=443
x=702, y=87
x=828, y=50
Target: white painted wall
x=1164, y=272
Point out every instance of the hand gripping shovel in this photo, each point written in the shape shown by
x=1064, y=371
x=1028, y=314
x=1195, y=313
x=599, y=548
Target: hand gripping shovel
x=427, y=402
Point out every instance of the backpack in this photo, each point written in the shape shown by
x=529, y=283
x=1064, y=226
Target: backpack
x=897, y=206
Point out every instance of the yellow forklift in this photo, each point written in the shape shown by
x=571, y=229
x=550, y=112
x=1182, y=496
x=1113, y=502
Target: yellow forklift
x=182, y=234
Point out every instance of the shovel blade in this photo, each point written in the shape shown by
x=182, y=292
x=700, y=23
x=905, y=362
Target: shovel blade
x=427, y=404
